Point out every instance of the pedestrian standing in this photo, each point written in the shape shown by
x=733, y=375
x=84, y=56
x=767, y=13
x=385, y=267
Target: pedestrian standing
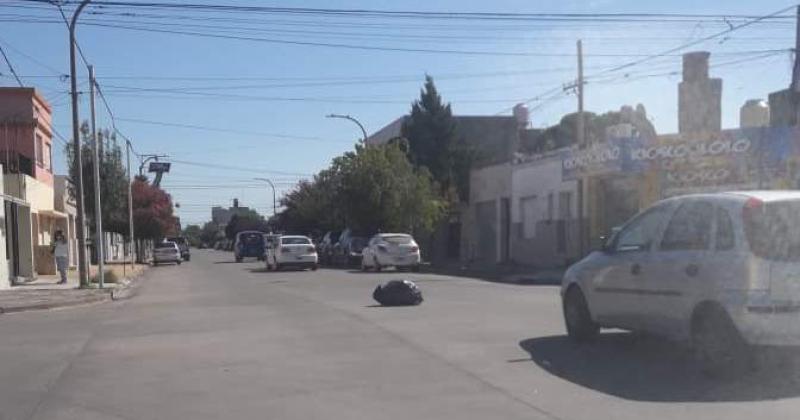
x=61, y=253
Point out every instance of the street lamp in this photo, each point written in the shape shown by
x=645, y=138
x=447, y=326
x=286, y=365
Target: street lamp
x=76, y=140
x=347, y=117
x=274, y=207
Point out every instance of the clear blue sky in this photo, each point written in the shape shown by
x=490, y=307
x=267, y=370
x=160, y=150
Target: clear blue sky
x=332, y=79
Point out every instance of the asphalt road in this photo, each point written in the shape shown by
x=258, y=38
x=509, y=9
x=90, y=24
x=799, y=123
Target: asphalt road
x=212, y=339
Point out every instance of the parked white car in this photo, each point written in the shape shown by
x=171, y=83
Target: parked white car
x=398, y=250
x=721, y=271
x=166, y=252
x=292, y=251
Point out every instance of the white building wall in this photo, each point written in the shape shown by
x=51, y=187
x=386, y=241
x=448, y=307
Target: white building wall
x=482, y=227
x=543, y=213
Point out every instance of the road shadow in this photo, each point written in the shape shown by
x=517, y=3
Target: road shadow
x=228, y=262
x=641, y=368
x=259, y=270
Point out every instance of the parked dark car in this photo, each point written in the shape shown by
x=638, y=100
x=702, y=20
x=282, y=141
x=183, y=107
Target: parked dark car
x=249, y=244
x=347, y=251
x=325, y=248
x=183, y=245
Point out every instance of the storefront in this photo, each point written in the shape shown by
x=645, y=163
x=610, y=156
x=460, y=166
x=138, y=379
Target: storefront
x=624, y=175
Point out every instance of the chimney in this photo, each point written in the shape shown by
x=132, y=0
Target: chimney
x=699, y=97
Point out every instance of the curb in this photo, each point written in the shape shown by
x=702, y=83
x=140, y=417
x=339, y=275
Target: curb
x=54, y=305
x=131, y=289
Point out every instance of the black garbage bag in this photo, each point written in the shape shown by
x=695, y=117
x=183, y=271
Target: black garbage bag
x=398, y=293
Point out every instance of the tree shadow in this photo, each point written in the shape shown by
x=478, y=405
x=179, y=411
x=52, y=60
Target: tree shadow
x=641, y=368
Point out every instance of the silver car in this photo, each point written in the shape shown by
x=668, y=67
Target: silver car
x=166, y=251
x=721, y=271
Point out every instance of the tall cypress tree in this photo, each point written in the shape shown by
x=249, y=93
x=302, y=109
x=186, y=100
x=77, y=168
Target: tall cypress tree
x=433, y=142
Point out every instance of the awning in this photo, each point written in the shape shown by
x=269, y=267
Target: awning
x=53, y=213
x=13, y=199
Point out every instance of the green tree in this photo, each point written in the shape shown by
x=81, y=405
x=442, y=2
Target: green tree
x=192, y=234
x=113, y=180
x=433, y=142
x=210, y=233
x=245, y=220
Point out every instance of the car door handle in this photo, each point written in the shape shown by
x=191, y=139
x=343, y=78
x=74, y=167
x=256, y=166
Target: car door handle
x=636, y=269
x=692, y=270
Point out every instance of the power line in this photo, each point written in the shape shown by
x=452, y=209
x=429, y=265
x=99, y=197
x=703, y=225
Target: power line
x=11, y=67
x=236, y=168
x=412, y=13
x=731, y=29
x=219, y=129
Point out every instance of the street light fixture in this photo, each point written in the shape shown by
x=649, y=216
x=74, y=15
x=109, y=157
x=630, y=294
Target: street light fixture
x=347, y=117
x=76, y=140
x=274, y=206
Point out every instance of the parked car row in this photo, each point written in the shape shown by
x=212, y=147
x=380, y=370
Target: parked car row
x=720, y=271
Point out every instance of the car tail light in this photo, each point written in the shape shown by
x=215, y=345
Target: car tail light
x=311, y=250
x=413, y=249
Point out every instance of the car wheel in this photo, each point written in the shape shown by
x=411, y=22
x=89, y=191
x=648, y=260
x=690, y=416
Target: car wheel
x=314, y=267
x=415, y=268
x=238, y=259
x=577, y=318
x=364, y=266
x=277, y=267
x=179, y=262
x=717, y=344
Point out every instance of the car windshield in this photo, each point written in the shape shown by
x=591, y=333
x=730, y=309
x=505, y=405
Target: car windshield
x=295, y=241
x=773, y=231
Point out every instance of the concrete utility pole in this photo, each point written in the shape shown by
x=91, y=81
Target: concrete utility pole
x=347, y=117
x=132, y=242
x=581, y=140
x=76, y=139
x=274, y=207
x=796, y=69
x=98, y=212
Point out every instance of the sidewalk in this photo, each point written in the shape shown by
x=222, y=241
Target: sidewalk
x=501, y=273
x=46, y=293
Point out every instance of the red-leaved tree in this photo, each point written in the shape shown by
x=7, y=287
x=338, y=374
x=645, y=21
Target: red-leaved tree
x=152, y=211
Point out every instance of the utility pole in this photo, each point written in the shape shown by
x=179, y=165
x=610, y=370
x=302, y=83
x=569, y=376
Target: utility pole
x=581, y=140
x=98, y=212
x=796, y=68
x=132, y=242
x=76, y=139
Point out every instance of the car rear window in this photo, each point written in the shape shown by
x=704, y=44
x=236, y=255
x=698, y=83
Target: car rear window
x=295, y=241
x=178, y=240
x=165, y=245
x=773, y=230
x=252, y=238
x=398, y=239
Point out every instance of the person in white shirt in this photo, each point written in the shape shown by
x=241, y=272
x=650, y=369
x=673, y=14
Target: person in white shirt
x=61, y=253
